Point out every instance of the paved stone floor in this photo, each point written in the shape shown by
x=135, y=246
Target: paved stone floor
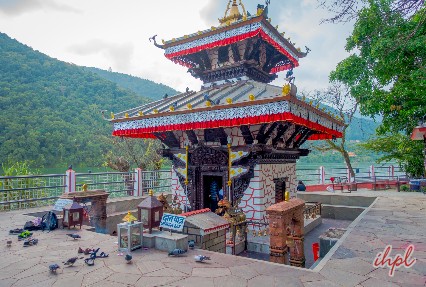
x=395, y=218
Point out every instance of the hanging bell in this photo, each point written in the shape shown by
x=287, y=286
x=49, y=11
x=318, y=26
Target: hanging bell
x=290, y=242
x=260, y=233
x=254, y=233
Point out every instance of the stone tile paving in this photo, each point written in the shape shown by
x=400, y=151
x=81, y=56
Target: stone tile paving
x=395, y=218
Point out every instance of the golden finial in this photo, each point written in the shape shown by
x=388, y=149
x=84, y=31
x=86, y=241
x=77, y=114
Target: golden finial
x=84, y=187
x=229, y=100
x=276, y=27
x=303, y=98
x=252, y=97
x=286, y=90
x=112, y=116
x=172, y=108
x=208, y=104
x=129, y=217
x=140, y=113
x=126, y=115
x=164, y=42
x=199, y=32
x=155, y=111
x=269, y=20
x=282, y=34
x=186, y=36
x=213, y=28
x=299, y=50
x=150, y=192
x=189, y=106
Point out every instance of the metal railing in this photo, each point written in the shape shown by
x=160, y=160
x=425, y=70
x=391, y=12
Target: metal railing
x=159, y=181
x=312, y=210
x=312, y=176
x=20, y=192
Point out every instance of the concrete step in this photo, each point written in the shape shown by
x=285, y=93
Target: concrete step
x=342, y=212
x=348, y=199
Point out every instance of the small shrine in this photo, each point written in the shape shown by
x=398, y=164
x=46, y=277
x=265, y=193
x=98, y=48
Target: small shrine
x=239, y=136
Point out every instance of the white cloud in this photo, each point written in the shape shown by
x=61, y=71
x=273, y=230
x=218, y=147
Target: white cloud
x=107, y=33
x=17, y=7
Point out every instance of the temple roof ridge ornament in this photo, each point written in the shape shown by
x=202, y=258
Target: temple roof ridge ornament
x=232, y=14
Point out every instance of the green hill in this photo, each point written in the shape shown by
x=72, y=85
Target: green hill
x=51, y=110
x=142, y=87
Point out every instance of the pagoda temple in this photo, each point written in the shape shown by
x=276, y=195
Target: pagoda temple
x=238, y=136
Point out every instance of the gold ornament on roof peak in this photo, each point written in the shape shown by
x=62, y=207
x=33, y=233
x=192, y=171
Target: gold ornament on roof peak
x=232, y=13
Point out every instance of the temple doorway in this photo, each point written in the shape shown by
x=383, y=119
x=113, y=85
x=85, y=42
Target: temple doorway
x=212, y=191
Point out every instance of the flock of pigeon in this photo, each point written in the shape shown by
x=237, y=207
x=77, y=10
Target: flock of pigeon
x=128, y=257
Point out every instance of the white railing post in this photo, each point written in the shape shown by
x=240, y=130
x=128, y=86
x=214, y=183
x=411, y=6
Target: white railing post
x=321, y=175
x=372, y=173
x=69, y=181
x=391, y=171
x=137, y=186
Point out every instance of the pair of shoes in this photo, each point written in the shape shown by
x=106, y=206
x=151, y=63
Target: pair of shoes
x=95, y=255
x=24, y=234
x=16, y=231
x=30, y=242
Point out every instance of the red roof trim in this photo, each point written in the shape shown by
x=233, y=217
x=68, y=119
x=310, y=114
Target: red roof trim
x=195, y=212
x=220, y=227
x=231, y=40
x=325, y=133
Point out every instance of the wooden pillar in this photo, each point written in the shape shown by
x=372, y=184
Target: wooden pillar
x=286, y=223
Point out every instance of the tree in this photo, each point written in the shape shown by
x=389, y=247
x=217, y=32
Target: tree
x=338, y=96
x=386, y=72
x=347, y=10
x=400, y=148
x=128, y=152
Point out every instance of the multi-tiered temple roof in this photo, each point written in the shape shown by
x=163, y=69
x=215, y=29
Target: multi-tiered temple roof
x=235, y=61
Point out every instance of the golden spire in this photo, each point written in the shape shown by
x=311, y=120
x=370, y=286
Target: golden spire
x=232, y=13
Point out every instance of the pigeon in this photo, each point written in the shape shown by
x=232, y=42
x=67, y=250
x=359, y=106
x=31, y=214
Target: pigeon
x=187, y=90
x=165, y=96
x=201, y=258
x=74, y=236
x=191, y=244
x=176, y=252
x=53, y=267
x=71, y=261
x=128, y=258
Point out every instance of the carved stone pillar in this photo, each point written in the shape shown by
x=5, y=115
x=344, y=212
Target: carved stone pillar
x=286, y=232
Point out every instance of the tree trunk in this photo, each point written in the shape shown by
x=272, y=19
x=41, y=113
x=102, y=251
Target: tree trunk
x=348, y=163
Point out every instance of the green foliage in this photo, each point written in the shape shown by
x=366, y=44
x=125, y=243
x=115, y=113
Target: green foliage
x=130, y=152
x=387, y=71
x=51, y=110
x=396, y=146
x=405, y=188
x=20, y=188
x=142, y=87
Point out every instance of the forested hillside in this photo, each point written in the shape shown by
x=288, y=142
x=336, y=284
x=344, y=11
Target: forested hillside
x=143, y=87
x=51, y=110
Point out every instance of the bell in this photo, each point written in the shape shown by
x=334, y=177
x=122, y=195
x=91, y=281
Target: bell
x=290, y=242
x=260, y=233
x=254, y=233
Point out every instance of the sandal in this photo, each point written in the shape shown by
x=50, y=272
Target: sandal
x=30, y=242
x=16, y=231
x=89, y=261
x=102, y=255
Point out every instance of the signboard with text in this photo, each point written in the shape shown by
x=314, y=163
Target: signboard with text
x=172, y=221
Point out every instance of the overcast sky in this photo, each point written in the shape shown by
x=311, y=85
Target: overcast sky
x=112, y=33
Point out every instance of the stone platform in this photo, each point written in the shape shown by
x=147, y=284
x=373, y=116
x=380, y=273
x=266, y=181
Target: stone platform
x=394, y=218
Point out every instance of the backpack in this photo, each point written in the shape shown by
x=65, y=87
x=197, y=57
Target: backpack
x=49, y=221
